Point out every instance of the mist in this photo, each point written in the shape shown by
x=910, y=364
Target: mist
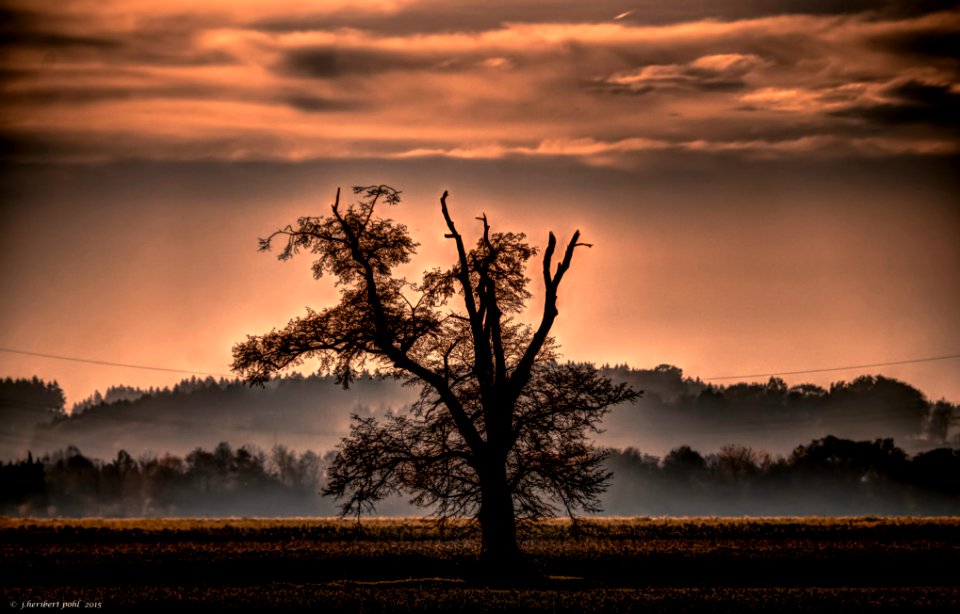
x=772, y=417
x=313, y=413
x=826, y=477
x=301, y=412
x=873, y=445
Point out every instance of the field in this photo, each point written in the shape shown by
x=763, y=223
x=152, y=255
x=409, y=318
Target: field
x=610, y=565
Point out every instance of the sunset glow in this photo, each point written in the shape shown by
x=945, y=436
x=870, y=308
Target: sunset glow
x=767, y=190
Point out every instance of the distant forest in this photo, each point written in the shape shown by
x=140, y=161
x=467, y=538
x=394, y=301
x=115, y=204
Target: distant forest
x=829, y=476
x=687, y=448
x=313, y=413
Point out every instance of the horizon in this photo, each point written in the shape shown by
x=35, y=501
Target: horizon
x=792, y=380
x=313, y=413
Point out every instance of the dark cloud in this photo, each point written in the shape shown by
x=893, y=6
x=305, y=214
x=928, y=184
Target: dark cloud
x=934, y=42
x=86, y=95
x=155, y=41
x=8, y=75
x=160, y=57
x=913, y=103
x=899, y=9
x=327, y=62
x=34, y=146
x=434, y=16
x=516, y=91
x=32, y=29
x=317, y=104
x=79, y=146
x=937, y=44
x=53, y=40
x=76, y=95
x=745, y=9
x=881, y=9
x=467, y=16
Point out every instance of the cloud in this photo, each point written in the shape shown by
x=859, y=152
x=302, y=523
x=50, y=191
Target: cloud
x=719, y=72
x=168, y=80
x=900, y=105
x=318, y=104
x=330, y=61
x=475, y=16
x=796, y=100
x=899, y=9
x=24, y=27
x=909, y=102
x=609, y=153
x=938, y=41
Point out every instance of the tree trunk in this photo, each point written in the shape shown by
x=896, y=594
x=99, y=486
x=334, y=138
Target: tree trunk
x=498, y=525
x=499, y=552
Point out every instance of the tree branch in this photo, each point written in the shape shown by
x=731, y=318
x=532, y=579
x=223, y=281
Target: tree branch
x=464, y=274
x=521, y=375
x=481, y=350
x=385, y=338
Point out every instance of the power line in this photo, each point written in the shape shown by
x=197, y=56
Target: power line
x=718, y=377
x=111, y=364
x=846, y=368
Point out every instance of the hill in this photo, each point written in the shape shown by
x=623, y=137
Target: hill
x=313, y=413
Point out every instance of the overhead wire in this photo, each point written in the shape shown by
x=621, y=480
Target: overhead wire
x=828, y=369
x=112, y=364
x=712, y=378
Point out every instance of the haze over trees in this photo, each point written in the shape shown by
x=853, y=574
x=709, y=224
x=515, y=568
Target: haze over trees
x=224, y=481
x=311, y=413
x=25, y=404
x=749, y=466
x=306, y=413
x=774, y=416
x=500, y=428
x=825, y=477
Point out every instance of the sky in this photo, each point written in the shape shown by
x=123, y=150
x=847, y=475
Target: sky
x=769, y=186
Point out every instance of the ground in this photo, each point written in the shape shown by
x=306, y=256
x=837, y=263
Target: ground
x=611, y=565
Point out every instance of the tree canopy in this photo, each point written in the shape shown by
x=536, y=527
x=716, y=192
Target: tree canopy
x=500, y=428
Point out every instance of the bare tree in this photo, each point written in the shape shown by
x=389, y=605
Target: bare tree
x=500, y=429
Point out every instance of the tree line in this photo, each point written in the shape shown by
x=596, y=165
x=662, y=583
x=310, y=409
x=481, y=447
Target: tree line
x=32, y=392
x=828, y=476
x=776, y=415
x=224, y=481
x=310, y=412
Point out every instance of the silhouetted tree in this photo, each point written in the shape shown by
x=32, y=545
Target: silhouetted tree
x=121, y=485
x=32, y=392
x=901, y=407
x=684, y=463
x=938, y=470
x=27, y=403
x=75, y=479
x=852, y=460
x=23, y=485
x=500, y=428
x=735, y=462
x=941, y=417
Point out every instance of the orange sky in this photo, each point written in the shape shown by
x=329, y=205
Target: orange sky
x=768, y=189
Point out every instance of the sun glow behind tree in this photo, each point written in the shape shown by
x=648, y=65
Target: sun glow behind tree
x=501, y=428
